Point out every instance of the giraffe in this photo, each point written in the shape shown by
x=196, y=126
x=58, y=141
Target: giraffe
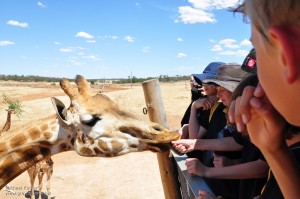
x=7, y=124
x=40, y=169
x=93, y=125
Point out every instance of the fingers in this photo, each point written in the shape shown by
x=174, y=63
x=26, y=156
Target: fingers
x=259, y=92
x=205, y=195
x=239, y=110
x=204, y=103
x=191, y=165
x=244, y=104
x=273, y=120
x=218, y=160
x=180, y=147
x=208, y=103
x=183, y=145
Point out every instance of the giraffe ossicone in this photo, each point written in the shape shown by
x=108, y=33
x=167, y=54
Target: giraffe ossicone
x=93, y=125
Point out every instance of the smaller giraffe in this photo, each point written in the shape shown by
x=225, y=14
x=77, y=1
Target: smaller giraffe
x=39, y=169
x=7, y=124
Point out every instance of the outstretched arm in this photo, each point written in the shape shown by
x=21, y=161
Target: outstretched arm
x=254, y=169
x=220, y=144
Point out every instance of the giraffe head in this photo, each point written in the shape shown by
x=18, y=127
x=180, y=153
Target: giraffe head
x=100, y=128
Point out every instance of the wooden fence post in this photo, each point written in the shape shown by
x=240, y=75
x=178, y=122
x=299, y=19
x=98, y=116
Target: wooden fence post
x=157, y=114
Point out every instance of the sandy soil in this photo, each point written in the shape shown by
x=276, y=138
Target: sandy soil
x=132, y=176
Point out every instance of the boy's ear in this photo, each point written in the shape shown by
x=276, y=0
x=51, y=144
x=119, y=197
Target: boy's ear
x=287, y=39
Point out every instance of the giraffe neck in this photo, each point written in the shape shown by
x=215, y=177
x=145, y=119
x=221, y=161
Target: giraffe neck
x=21, y=149
x=7, y=124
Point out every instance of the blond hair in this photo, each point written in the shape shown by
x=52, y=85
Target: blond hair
x=266, y=13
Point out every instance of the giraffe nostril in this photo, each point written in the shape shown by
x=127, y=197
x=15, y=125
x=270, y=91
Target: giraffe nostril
x=158, y=127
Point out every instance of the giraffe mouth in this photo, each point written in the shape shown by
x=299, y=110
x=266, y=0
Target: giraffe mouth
x=159, y=136
x=158, y=147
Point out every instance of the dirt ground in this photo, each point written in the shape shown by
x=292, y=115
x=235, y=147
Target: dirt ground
x=132, y=176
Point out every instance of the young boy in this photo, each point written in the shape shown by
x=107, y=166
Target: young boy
x=200, y=109
x=275, y=34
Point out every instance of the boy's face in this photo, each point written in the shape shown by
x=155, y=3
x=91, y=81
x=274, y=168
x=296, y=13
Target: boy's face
x=224, y=95
x=271, y=72
x=210, y=90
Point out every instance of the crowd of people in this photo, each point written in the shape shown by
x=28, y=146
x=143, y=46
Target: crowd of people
x=241, y=131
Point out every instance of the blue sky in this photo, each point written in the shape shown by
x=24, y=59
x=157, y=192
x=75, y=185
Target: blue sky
x=117, y=38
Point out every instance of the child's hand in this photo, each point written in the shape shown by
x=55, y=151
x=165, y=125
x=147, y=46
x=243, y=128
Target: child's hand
x=253, y=111
x=184, y=145
x=194, y=166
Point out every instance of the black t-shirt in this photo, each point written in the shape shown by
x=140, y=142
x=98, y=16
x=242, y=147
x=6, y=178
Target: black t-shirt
x=203, y=118
x=249, y=188
x=271, y=189
x=228, y=131
x=227, y=188
x=217, y=123
x=196, y=94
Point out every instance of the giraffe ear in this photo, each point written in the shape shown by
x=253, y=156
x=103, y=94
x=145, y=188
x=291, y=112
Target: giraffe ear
x=60, y=110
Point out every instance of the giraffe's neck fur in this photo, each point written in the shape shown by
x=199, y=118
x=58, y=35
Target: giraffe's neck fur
x=20, y=149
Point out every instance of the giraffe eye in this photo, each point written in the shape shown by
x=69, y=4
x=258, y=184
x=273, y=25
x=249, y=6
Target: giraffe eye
x=91, y=122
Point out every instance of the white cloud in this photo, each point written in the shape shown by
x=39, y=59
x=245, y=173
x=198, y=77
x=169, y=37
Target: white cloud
x=230, y=47
x=179, y=39
x=239, y=53
x=91, y=41
x=181, y=55
x=213, y=4
x=57, y=43
x=216, y=48
x=113, y=37
x=6, y=43
x=201, y=10
x=92, y=57
x=84, y=35
x=212, y=41
x=16, y=23
x=246, y=42
x=229, y=43
x=146, y=49
x=75, y=62
x=129, y=38
x=69, y=49
x=40, y=4
x=192, y=15
x=79, y=48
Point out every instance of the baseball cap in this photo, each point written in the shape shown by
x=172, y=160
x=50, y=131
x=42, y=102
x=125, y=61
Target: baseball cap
x=228, y=76
x=209, y=72
x=249, y=64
